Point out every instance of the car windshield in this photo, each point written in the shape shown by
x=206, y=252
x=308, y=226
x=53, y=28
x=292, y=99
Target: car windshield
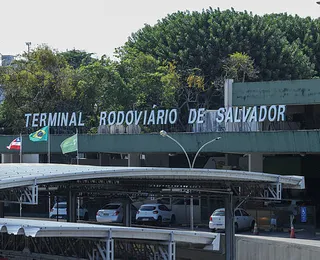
x=112, y=206
x=218, y=213
x=147, y=208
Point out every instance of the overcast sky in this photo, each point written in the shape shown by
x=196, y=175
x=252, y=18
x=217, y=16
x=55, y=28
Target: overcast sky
x=100, y=26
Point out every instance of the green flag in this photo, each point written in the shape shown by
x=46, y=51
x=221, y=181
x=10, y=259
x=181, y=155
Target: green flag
x=70, y=144
x=40, y=135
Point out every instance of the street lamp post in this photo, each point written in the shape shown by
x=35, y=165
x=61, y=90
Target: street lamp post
x=165, y=134
x=195, y=157
x=191, y=166
x=28, y=44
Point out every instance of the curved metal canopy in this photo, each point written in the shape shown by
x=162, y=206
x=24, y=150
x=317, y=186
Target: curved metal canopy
x=42, y=228
x=25, y=174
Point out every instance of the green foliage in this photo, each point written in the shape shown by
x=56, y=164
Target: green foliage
x=76, y=58
x=239, y=66
x=149, y=82
x=40, y=81
x=281, y=46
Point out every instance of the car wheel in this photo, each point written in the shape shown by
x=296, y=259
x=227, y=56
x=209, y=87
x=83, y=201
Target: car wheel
x=159, y=221
x=173, y=219
x=86, y=216
x=236, y=227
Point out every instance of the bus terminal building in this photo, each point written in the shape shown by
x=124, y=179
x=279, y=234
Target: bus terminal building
x=270, y=127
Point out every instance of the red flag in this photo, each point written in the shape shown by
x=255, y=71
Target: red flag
x=15, y=144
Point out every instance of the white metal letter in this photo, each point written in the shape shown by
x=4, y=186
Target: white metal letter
x=281, y=111
x=272, y=114
x=192, y=116
x=129, y=113
x=174, y=113
x=262, y=113
x=160, y=117
x=27, y=119
x=35, y=120
x=73, y=119
x=220, y=115
x=103, y=115
x=120, y=115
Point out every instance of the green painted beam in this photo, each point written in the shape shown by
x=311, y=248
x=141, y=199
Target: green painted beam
x=295, y=92
x=231, y=142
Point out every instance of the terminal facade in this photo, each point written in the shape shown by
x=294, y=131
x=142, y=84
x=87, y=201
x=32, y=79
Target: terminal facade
x=270, y=127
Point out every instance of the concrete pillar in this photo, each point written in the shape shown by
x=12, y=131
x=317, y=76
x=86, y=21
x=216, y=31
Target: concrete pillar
x=71, y=207
x=228, y=100
x=10, y=158
x=30, y=158
x=127, y=213
x=255, y=162
x=134, y=160
x=191, y=213
x=15, y=158
x=229, y=228
x=1, y=208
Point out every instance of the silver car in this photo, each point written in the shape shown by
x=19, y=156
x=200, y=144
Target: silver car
x=114, y=212
x=60, y=209
x=242, y=220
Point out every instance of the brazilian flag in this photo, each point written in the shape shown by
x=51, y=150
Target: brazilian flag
x=40, y=136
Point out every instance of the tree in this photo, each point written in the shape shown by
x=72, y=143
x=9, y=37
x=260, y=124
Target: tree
x=40, y=81
x=239, y=66
x=100, y=88
x=204, y=40
x=149, y=81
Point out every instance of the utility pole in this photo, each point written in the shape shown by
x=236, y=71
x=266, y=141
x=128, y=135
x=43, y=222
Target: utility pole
x=28, y=44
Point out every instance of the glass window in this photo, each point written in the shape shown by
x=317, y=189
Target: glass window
x=218, y=212
x=244, y=213
x=147, y=208
x=163, y=207
x=111, y=206
x=237, y=213
x=62, y=205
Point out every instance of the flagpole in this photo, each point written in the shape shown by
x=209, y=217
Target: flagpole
x=20, y=148
x=49, y=137
x=77, y=147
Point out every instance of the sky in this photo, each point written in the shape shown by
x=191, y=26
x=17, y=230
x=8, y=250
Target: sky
x=100, y=26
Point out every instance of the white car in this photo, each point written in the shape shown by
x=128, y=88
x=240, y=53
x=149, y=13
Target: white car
x=61, y=211
x=113, y=212
x=155, y=213
x=242, y=220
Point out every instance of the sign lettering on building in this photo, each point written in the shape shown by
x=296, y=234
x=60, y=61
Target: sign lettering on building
x=160, y=116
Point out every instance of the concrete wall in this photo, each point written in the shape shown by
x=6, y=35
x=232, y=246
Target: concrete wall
x=290, y=92
x=15, y=158
x=271, y=248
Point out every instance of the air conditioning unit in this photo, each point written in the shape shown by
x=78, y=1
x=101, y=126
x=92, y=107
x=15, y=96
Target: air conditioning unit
x=117, y=129
x=103, y=129
x=133, y=129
